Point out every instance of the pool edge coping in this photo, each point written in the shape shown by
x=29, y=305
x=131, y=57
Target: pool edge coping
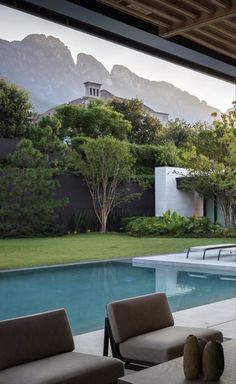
x=63, y=265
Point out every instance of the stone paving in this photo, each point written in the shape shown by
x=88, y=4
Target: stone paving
x=226, y=264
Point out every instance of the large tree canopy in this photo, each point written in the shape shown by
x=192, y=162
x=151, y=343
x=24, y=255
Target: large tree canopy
x=179, y=132
x=14, y=111
x=145, y=127
x=94, y=121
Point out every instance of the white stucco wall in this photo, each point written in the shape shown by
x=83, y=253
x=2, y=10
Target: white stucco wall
x=167, y=196
x=163, y=117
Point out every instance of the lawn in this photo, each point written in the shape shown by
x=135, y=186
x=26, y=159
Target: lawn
x=17, y=253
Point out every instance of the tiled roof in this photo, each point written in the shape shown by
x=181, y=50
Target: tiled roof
x=104, y=95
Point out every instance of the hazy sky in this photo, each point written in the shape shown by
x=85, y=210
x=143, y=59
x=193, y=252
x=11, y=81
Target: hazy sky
x=15, y=25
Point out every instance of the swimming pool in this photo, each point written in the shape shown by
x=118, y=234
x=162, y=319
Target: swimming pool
x=85, y=289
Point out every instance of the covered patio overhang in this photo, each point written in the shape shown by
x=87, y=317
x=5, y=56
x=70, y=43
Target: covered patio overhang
x=196, y=34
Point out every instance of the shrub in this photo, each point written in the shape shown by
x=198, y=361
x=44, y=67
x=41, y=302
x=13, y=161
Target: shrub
x=171, y=224
x=151, y=156
x=226, y=232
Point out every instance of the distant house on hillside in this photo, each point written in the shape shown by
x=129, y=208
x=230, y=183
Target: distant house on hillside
x=94, y=91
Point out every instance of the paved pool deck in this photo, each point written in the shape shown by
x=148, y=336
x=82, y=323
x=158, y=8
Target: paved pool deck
x=220, y=315
x=226, y=264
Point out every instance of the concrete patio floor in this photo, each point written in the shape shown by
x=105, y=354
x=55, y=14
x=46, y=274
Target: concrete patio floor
x=226, y=264
x=220, y=315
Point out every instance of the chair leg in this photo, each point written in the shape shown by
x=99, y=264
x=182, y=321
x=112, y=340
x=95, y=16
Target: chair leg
x=106, y=338
x=188, y=251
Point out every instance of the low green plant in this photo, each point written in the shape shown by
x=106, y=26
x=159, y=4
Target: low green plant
x=171, y=224
x=225, y=232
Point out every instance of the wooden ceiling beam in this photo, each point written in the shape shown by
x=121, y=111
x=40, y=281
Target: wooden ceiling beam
x=158, y=22
x=222, y=30
x=212, y=36
x=155, y=10
x=195, y=36
x=209, y=24
x=178, y=7
x=222, y=3
x=199, y=6
x=230, y=23
x=180, y=29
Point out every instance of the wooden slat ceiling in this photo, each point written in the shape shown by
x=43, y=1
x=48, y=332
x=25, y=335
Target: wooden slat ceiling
x=209, y=23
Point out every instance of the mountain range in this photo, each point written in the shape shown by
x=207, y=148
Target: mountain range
x=44, y=66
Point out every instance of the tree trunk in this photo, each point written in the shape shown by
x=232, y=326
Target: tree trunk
x=226, y=211
x=225, y=214
x=233, y=215
x=104, y=219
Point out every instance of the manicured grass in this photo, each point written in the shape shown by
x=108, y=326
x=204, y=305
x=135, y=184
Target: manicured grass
x=17, y=253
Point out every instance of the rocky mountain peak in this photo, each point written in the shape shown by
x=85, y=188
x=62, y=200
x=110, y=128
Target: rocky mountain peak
x=41, y=39
x=160, y=96
x=47, y=48
x=119, y=70
x=45, y=67
x=90, y=69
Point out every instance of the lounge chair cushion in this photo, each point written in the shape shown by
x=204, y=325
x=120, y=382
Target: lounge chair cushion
x=163, y=345
x=66, y=368
x=135, y=316
x=34, y=337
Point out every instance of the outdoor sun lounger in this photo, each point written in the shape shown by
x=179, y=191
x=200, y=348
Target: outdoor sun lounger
x=38, y=349
x=142, y=333
x=206, y=248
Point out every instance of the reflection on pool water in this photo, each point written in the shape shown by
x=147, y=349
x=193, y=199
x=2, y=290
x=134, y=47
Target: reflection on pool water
x=85, y=289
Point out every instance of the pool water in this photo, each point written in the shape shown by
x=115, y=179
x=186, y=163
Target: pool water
x=85, y=289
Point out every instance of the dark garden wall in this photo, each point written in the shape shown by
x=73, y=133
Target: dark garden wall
x=79, y=213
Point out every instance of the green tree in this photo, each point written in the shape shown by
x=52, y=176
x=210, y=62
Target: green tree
x=145, y=128
x=211, y=159
x=27, y=187
x=178, y=132
x=106, y=163
x=46, y=137
x=147, y=157
x=14, y=111
x=94, y=121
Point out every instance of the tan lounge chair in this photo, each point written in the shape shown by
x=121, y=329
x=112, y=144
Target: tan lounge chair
x=141, y=331
x=38, y=349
